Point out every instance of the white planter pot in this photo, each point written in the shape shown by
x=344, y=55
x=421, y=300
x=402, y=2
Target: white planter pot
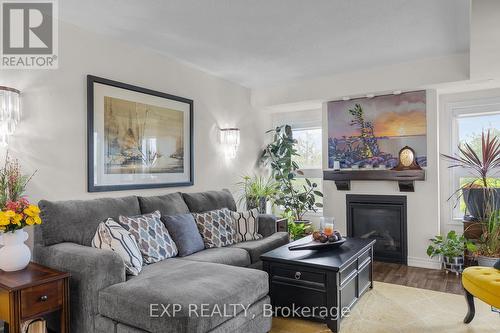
x=14, y=255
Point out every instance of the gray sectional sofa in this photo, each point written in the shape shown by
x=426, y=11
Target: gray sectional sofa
x=105, y=300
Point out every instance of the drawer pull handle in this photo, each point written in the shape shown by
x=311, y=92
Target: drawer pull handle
x=297, y=275
x=44, y=298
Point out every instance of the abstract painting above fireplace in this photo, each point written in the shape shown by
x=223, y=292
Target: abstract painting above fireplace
x=383, y=218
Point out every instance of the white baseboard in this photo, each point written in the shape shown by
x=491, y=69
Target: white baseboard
x=424, y=263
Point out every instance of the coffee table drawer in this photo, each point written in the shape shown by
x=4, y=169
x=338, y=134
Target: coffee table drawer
x=41, y=299
x=285, y=295
x=297, y=274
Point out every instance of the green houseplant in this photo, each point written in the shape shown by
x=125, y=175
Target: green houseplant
x=278, y=154
x=488, y=246
x=451, y=249
x=256, y=191
x=296, y=230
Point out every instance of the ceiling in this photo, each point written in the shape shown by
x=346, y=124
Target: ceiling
x=259, y=43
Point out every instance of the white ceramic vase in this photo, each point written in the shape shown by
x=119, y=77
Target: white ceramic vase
x=14, y=255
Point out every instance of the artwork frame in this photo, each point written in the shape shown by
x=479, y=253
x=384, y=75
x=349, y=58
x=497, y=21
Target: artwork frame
x=369, y=132
x=103, y=172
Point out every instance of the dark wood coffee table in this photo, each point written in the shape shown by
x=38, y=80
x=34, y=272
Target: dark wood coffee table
x=319, y=285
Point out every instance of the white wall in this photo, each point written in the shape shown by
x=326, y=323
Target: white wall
x=422, y=205
x=485, y=39
x=52, y=135
x=407, y=76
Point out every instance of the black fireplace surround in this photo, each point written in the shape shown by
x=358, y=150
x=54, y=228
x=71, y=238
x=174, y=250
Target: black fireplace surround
x=383, y=218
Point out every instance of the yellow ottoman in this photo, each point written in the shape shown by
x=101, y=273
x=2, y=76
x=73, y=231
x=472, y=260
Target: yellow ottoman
x=483, y=283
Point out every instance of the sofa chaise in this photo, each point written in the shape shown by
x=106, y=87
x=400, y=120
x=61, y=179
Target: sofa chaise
x=104, y=299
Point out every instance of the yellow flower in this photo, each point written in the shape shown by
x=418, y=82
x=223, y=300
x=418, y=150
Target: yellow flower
x=10, y=213
x=17, y=219
x=30, y=221
x=4, y=220
x=38, y=220
x=32, y=210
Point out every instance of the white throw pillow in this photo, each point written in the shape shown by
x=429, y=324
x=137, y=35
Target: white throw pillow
x=112, y=236
x=247, y=225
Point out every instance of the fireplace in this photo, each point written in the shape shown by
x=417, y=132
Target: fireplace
x=383, y=218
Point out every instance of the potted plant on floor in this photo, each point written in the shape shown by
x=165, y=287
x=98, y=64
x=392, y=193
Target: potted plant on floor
x=451, y=249
x=295, y=200
x=256, y=191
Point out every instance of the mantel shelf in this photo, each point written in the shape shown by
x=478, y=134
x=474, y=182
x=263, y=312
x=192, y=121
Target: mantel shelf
x=405, y=178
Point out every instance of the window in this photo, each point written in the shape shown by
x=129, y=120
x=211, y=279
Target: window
x=309, y=148
x=469, y=123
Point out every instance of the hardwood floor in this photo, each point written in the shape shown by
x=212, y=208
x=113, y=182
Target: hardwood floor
x=431, y=279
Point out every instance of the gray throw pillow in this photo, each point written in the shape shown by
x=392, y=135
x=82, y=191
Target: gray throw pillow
x=185, y=233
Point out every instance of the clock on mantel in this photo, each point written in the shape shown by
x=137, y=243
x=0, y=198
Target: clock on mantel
x=407, y=160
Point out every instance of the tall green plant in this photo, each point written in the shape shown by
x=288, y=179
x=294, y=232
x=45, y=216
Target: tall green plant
x=278, y=154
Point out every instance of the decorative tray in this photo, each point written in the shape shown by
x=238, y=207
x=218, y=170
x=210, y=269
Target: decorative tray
x=315, y=245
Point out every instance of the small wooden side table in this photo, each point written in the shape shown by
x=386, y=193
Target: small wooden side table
x=32, y=293
x=282, y=225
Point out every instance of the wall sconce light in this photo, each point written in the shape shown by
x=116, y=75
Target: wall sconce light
x=230, y=138
x=10, y=112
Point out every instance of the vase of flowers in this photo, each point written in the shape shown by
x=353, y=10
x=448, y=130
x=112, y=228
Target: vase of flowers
x=16, y=212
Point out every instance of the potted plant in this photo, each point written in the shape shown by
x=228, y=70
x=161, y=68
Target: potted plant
x=488, y=246
x=257, y=191
x=16, y=213
x=451, y=249
x=480, y=196
x=297, y=230
x=294, y=199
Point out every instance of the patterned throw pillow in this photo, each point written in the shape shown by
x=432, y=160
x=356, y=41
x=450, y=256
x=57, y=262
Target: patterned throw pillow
x=216, y=228
x=152, y=237
x=247, y=225
x=112, y=236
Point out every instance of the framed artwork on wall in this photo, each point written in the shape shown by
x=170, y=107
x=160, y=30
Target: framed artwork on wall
x=137, y=138
x=370, y=132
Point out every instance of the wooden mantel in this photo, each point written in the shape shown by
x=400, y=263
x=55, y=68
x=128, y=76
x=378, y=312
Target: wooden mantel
x=405, y=178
